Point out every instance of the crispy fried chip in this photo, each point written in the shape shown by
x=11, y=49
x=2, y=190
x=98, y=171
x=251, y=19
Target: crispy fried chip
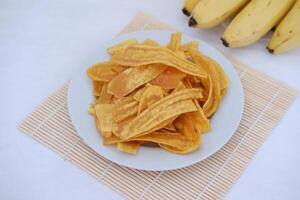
x=97, y=87
x=150, y=42
x=104, y=96
x=121, y=46
x=167, y=107
x=149, y=96
x=168, y=79
x=105, y=118
x=138, y=55
x=193, y=45
x=170, y=127
x=138, y=94
x=214, y=96
x=201, y=122
x=173, y=139
x=175, y=42
x=179, y=87
x=129, y=147
x=184, y=124
x=124, y=108
x=104, y=71
x=223, y=93
x=192, y=146
x=91, y=109
x=223, y=79
x=132, y=78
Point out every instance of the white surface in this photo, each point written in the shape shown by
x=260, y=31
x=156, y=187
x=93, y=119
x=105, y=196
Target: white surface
x=42, y=41
x=80, y=97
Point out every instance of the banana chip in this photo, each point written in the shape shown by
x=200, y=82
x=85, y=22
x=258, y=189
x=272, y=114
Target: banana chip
x=175, y=42
x=150, y=42
x=121, y=46
x=128, y=147
x=173, y=139
x=184, y=123
x=214, y=97
x=138, y=94
x=103, y=71
x=193, y=45
x=104, y=96
x=151, y=94
x=97, y=87
x=180, y=86
x=125, y=108
x=223, y=79
x=168, y=79
x=168, y=107
x=105, y=118
x=139, y=55
x=132, y=78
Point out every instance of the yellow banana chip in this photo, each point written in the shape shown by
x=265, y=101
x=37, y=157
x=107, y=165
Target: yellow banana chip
x=167, y=107
x=149, y=96
x=223, y=92
x=193, y=45
x=140, y=126
x=105, y=118
x=192, y=146
x=180, y=86
x=168, y=79
x=128, y=147
x=97, y=87
x=124, y=108
x=104, y=71
x=170, y=127
x=184, y=124
x=224, y=82
x=175, y=42
x=150, y=42
x=104, y=96
x=121, y=46
x=138, y=94
x=132, y=78
x=214, y=96
x=138, y=55
x=173, y=139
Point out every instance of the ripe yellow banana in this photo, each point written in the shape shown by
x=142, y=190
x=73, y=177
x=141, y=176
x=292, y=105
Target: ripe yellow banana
x=254, y=21
x=210, y=13
x=188, y=6
x=287, y=33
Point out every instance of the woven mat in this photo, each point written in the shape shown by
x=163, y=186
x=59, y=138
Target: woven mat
x=266, y=101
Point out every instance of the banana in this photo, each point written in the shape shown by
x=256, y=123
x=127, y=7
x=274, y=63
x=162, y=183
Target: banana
x=188, y=6
x=210, y=13
x=287, y=33
x=254, y=21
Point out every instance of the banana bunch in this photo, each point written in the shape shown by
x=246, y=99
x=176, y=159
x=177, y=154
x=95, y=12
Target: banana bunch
x=252, y=20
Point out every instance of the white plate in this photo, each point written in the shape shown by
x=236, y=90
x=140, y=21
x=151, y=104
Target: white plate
x=224, y=122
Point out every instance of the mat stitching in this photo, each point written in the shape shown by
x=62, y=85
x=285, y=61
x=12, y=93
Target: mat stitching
x=240, y=143
x=149, y=186
x=48, y=118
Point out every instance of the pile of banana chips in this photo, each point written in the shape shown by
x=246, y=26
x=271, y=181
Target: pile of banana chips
x=159, y=95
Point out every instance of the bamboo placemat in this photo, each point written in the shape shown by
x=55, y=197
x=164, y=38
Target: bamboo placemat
x=266, y=101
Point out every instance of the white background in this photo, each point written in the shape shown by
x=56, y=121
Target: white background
x=41, y=45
